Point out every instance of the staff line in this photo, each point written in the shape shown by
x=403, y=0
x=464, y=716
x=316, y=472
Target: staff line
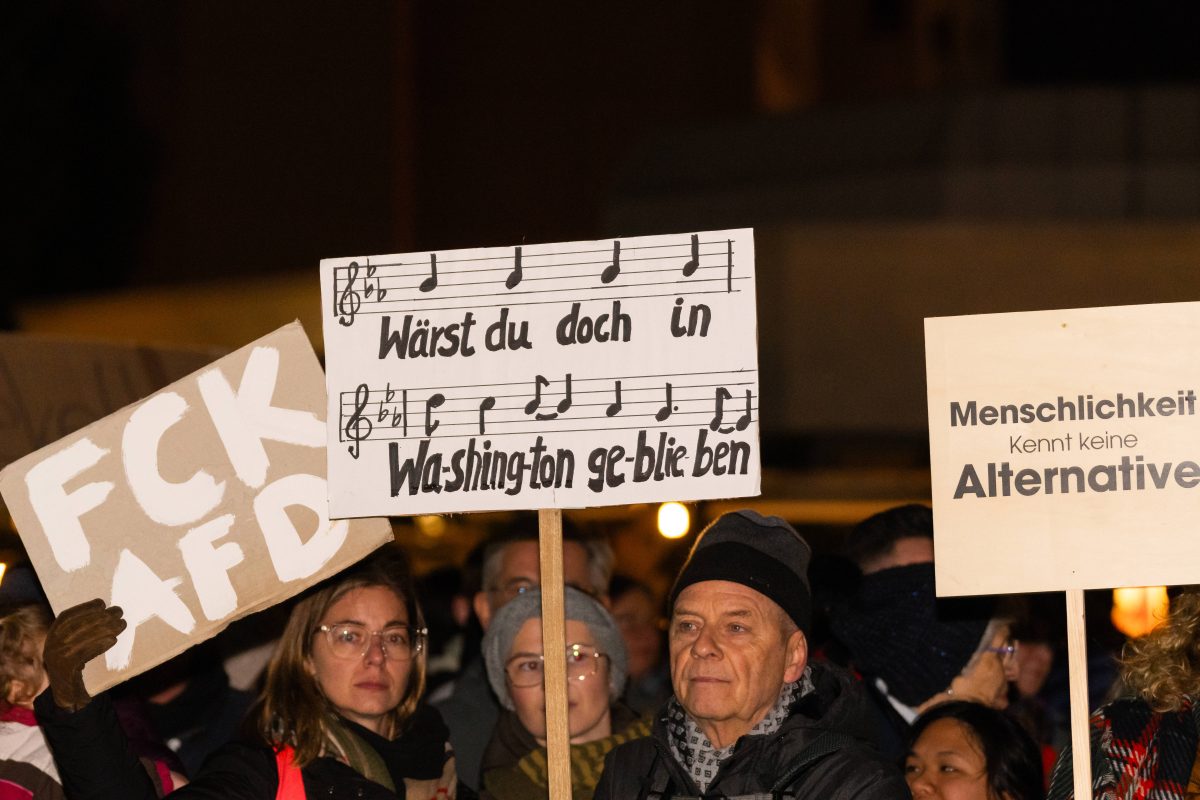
x=368, y=414
x=567, y=289
x=576, y=380
x=525, y=254
x=581, y=276
x=542, y=431
x=537, y=302
x=549, y=398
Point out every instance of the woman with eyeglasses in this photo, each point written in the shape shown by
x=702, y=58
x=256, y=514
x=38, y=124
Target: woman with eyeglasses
x=339, y=716
x=514, y=764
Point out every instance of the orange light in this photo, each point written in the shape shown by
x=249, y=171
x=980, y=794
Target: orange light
x=673, y=520
x=1138, y=610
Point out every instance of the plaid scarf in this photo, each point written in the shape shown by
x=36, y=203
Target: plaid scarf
x=696, y=753
x=1137, y=754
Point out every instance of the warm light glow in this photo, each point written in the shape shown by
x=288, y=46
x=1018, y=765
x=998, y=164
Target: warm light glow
x=673, y=520
x=3, y=569
x=1138, y=610
x=431, y=525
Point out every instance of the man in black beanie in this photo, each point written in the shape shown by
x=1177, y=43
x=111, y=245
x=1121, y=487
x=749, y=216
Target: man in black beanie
x=750, y=715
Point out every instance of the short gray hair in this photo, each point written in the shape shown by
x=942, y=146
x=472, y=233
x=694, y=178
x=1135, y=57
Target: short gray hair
x=600, y=558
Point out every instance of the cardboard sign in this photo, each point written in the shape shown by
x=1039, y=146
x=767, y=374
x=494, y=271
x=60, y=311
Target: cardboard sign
x=200, y=504
x=542, y=376
x=50, y=387
x=1065, y=448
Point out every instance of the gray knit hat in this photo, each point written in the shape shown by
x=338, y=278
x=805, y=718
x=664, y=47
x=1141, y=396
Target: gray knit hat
x=763, y=553
x=497, y=642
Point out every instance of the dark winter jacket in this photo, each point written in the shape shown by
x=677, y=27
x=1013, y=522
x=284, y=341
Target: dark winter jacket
x=471, y=712
x=820, y=752
x=95, y=764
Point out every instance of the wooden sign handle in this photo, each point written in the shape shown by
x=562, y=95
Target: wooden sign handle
x=554, y=648
x=1081, y=751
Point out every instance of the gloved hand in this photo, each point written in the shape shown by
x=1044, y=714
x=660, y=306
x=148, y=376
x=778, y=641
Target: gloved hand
x=76, y=636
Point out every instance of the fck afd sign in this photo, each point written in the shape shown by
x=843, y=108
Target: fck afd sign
x=198, y=505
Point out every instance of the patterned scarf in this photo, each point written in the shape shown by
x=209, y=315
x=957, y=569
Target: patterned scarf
x=696, y=753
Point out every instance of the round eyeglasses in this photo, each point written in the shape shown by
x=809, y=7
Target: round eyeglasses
x=1006, y=651
x=525, y=670
x=351, y=640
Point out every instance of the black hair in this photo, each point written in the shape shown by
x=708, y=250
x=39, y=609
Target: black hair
x=877, y=534
x=1014, y=763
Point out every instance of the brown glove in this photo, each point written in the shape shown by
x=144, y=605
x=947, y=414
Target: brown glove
x=76, y=636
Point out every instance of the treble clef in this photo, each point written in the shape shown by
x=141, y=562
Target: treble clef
x=358, y=427
x=349, y=300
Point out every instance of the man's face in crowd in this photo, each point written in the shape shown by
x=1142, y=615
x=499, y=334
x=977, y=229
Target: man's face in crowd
x=732, y=649
x=520, y=570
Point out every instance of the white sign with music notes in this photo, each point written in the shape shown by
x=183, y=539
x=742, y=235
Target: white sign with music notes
x=542, y=376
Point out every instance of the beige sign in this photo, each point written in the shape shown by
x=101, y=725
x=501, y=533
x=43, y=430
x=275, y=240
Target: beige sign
x=1065, y=448
x=198, y=505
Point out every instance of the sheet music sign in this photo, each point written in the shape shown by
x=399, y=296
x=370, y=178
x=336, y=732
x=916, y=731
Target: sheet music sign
x=196, y=506
x=542, y=376
x=1065, y=448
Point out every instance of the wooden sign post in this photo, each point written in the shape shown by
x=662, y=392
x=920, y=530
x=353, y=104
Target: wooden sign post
x=554, y=640
x=543, y=377
x=1081, y=754
x=1065, y=455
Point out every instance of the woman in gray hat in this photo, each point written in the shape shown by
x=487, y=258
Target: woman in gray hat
x=514, y=764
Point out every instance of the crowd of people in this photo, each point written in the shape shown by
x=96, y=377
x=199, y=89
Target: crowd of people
x=756, y=676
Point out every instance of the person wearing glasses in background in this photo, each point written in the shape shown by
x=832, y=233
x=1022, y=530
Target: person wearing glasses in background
x=510, y=568
x=339, y=716
x=514, y=764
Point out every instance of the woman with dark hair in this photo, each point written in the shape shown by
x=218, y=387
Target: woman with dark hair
x=340, y=714
x=968, y=751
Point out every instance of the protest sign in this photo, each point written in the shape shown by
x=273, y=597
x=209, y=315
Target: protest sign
x=542, y=376
x=1065, y=455
x=1065, y=448
x=50, y=387
x=200, y=504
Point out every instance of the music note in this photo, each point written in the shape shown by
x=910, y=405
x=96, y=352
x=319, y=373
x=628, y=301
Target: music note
x=485, y=406
x=614, y=269
x=744, y=420
x=354, y=426
x=729, y=265
x=430, y=283
x=563, y=405
x=667, y=408
x=693, y=263
x=433, y=402
x=722, y=395
x=533, y=404
x=349, y=300
x=536, y=402
x=514, y=277
x=615, y=407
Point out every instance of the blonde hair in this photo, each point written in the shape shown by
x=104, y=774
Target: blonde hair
x=292, y=712
x=1163, y=667
x=20, y=649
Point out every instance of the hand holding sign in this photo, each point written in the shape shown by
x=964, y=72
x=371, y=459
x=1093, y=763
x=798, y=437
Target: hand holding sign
x=76, y=636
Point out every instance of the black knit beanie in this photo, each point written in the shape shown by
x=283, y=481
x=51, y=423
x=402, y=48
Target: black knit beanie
x=898, y=630
x=764, y=553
